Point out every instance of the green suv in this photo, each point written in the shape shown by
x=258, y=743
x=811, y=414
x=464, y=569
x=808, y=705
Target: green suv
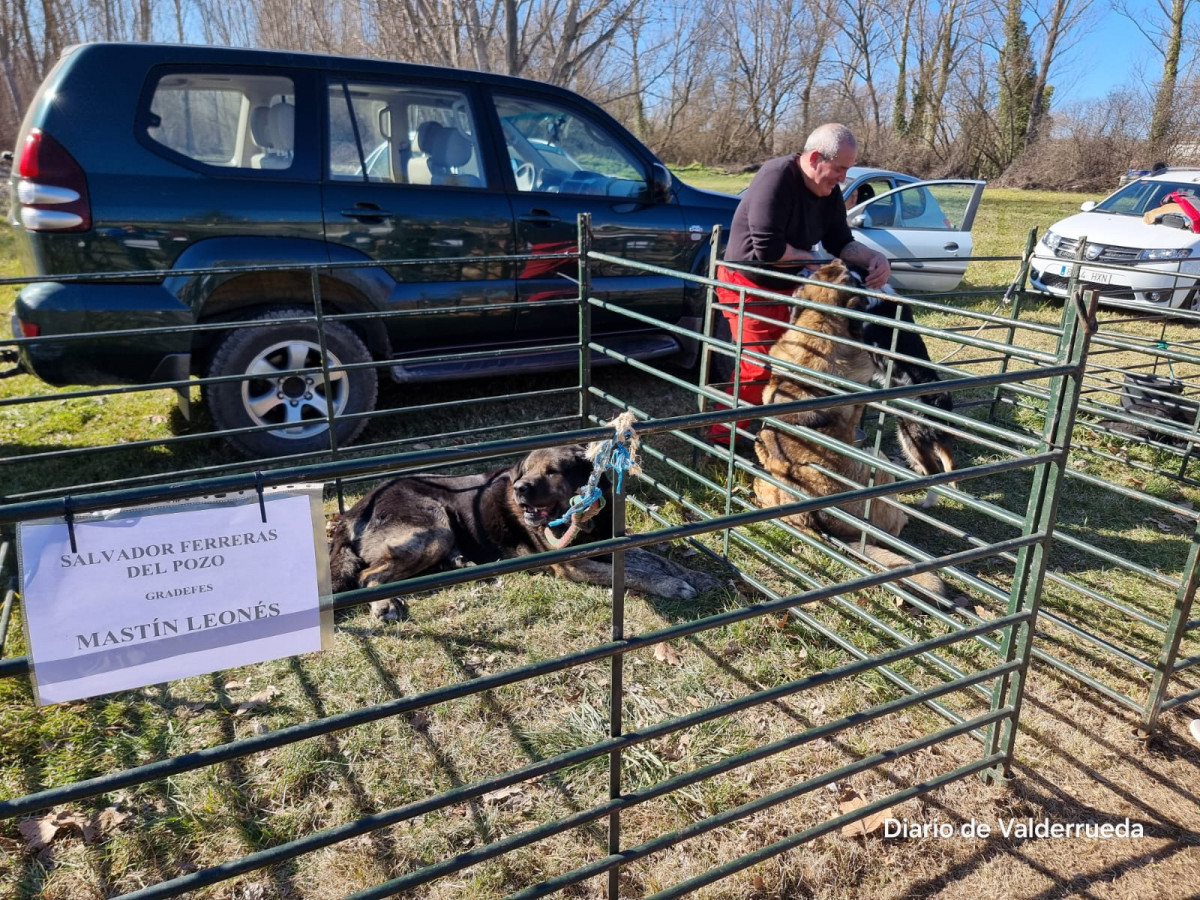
x=206, y=172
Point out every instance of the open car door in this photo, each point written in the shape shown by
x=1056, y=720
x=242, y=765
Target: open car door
x=924, y=229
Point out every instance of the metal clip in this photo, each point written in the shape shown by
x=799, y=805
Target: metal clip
x=262, y=504
x=70, y=517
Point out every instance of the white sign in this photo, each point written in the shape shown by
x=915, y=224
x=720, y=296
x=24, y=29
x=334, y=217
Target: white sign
x=151, y=595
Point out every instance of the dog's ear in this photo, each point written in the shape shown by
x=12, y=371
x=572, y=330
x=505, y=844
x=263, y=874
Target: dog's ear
x=581, y=467
x=833, y=271
x=517, y=469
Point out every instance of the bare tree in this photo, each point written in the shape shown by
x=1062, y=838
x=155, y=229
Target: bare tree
x=1058, y=27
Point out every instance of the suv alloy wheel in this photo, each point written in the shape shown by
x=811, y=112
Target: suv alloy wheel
x=274, y=389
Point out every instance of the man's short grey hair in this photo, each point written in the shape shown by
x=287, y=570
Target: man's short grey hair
x=829, y=140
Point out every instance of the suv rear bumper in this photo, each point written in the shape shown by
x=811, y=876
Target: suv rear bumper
x=143, y=345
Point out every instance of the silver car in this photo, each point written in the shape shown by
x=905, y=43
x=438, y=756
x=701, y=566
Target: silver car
x=923, y=227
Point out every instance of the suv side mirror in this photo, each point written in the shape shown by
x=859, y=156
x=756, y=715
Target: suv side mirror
x=1087, y=205
x=660, y=183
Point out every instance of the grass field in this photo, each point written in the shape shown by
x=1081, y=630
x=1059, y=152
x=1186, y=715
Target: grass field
x=1078, y=760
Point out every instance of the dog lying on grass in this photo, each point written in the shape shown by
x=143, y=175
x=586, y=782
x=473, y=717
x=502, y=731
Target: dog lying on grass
x=430, y=523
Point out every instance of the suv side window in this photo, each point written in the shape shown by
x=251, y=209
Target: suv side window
x=402, y=135
x=556, y=150
x=225, y=121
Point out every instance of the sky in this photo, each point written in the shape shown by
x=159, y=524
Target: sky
x=1113, y=54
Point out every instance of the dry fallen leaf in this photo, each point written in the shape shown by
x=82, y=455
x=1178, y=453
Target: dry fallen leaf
x=261, y=700
x=665, y=653
x=418, y=721
x=38, y=832
x=110, y=818
x=501, y=794
x=850, y=801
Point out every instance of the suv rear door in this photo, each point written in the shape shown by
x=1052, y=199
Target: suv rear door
x=410, y=177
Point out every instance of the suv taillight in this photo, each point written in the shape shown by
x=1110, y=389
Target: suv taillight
x=51, y=187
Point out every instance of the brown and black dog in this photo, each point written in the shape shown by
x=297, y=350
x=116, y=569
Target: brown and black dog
x=928, y=449
x=429, y=523
x=831, y=343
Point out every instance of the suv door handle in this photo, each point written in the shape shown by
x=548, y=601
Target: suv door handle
x=366, y=211
x=952, y=246
x=540, y=217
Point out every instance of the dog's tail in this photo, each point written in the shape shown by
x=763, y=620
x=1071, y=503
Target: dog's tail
x=344, y=561
x=929, y=585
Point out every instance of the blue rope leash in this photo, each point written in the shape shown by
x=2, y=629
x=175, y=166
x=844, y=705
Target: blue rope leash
x=614, y=454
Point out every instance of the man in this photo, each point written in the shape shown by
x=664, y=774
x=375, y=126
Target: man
x=792, y=204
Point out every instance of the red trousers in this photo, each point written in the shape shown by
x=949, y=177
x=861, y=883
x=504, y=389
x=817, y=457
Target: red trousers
x=755, y=335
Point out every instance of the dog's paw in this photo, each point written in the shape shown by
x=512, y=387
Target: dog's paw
x=929, y=501
x=393, y=610
x=678, y=589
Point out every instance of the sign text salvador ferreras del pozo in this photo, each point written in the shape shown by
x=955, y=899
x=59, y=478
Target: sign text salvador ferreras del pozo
x=148, y=597
x=186, y=555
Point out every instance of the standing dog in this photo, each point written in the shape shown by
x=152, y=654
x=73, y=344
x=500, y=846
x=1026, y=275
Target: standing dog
x=429, y=523
x=928, y=449
x=831, y=343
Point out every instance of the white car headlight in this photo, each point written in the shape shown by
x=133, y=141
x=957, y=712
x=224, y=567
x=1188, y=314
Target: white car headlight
x=1164, y=253
x=1051, y=240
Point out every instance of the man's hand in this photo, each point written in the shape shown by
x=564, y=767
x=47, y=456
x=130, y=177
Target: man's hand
x=879, y=270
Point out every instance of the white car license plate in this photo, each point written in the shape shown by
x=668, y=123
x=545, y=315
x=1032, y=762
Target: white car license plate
x=1095, y=276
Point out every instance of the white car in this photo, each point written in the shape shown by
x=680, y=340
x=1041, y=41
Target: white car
x=1129, y=260
x=923, y=227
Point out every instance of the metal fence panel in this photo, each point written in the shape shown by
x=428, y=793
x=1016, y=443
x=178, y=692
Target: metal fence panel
x=598, y=755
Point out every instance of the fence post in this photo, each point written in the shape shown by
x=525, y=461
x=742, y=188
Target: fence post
x=616, y=696
x=1062, y=403
x=318, y=311
x=585, y=319
x=710, y=313
x=1014, y=294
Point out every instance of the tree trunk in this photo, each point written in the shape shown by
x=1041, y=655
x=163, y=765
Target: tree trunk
x=1160, y=136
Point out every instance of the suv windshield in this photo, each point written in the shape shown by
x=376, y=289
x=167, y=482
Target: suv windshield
x=1137, y=198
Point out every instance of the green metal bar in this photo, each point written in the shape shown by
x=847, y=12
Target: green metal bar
x=711, y=311
x=318, y=310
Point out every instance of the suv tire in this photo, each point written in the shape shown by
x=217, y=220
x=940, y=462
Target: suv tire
x=267, y=395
